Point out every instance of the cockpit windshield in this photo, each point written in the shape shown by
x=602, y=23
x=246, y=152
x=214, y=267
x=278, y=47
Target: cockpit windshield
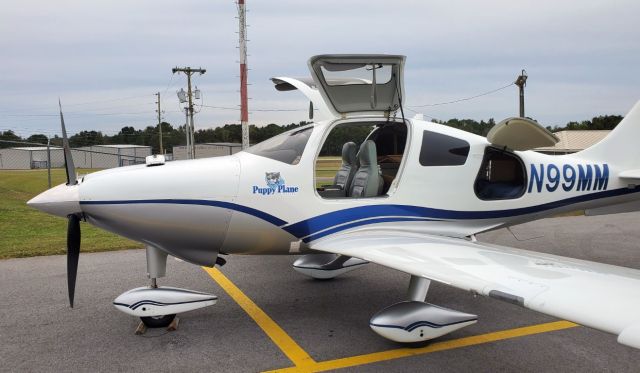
x=286, y=147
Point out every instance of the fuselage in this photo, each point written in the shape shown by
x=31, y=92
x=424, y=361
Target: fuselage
x=195, y=209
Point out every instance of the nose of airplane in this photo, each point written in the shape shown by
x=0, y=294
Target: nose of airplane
x=62, y=200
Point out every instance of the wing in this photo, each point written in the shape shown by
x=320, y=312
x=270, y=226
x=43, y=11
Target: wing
x=593, y=294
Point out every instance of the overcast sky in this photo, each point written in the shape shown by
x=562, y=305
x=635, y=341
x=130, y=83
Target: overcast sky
x=106, y=59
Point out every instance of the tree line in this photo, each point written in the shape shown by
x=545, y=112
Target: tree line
x=171, y=136
x=174, y=136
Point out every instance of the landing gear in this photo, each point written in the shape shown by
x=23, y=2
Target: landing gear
x=157, y=306
x=415, y=320
x=158, y=321
x=326, y=266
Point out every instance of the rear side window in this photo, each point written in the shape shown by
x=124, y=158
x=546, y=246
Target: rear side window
x=442, y=150
x=501, y=176
x=286, y=147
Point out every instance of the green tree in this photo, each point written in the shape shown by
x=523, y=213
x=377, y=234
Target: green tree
x=9, y=136
x=86, y=138
x=38, y=138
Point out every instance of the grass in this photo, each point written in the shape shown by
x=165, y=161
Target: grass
x=27, y=232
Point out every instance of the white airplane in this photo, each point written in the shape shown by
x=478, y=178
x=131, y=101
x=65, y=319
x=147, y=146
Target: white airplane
x=410, y=195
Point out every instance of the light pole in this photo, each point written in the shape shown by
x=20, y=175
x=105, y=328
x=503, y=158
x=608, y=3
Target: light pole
x=521, y=82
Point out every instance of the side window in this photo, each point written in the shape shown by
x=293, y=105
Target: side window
x=501, y=176
x=442, y=150
x=286, y=147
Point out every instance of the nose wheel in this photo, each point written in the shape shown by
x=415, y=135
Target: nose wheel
x=157, y=306
x=158, y=321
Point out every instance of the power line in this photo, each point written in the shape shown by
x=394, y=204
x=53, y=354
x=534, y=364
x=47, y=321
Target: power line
x=71, y=114
x=48, y=113
x=466, y=98
x=237, y=108
x=108, y=100
x=220, y=107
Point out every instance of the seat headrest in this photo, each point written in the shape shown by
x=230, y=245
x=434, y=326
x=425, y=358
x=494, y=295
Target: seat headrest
x=367, y=155
x=349, y=153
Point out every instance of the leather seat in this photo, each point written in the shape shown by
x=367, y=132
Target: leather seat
x=367, y=182
x=348, y=168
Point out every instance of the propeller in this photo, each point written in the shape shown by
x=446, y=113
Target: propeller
x=73, y=254
x=73, y=227
x=68, y=159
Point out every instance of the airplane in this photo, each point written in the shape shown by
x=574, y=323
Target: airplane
x=410, y=195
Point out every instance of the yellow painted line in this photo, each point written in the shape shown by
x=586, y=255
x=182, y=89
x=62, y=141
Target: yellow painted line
x=299, y=357
x=435, y=347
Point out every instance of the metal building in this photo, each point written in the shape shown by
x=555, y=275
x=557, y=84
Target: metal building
x=574, y=141
x=109, y=156
x=26, y=158
x=211, y=149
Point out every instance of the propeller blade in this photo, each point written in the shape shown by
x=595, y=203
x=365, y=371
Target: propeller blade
x=73, y=254
x=68, y=159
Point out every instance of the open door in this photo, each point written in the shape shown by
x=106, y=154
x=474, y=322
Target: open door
x=358, y=84
x=521, y=134
x=308, y=88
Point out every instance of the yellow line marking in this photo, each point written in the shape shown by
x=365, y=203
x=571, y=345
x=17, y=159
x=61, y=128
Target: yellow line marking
x=438, y=346
x=299, y=357
x=304, y=362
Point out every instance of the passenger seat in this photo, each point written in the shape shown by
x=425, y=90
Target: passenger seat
x=367, y=182
x=348, y=168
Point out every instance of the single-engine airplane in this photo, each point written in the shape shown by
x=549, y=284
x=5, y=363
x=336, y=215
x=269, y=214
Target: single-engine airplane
x=410, y=195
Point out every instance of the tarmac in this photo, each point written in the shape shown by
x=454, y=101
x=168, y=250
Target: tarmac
x=268, y=317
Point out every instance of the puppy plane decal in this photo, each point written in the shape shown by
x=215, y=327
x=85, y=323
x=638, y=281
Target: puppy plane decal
x=409, y=195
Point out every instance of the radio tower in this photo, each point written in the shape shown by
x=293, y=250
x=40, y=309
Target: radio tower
x=244, y=109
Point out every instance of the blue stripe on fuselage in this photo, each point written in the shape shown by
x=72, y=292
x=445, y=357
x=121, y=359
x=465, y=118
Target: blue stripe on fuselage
x=318, y=223
x=318, y=226
x=201, y=202
x=360, y=223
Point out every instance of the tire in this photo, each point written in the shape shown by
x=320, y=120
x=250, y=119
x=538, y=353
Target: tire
x=158, y=321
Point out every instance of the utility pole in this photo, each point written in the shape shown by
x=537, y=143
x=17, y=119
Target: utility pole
x=159, y=121
x=188, y=72
x=521, y=82
x=187, y=129
x=244, y=108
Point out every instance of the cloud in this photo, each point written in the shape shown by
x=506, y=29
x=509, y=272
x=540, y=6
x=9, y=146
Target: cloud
x=582, y=58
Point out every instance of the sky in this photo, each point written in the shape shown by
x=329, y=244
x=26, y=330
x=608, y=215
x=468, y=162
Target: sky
x=106, y=59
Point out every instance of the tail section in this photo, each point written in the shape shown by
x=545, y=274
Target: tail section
x=621, y=147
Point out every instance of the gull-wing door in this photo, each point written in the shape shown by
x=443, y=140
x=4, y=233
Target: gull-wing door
x=597, y=295
x=521, y=134
x=308, y=88
x=358, y=84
